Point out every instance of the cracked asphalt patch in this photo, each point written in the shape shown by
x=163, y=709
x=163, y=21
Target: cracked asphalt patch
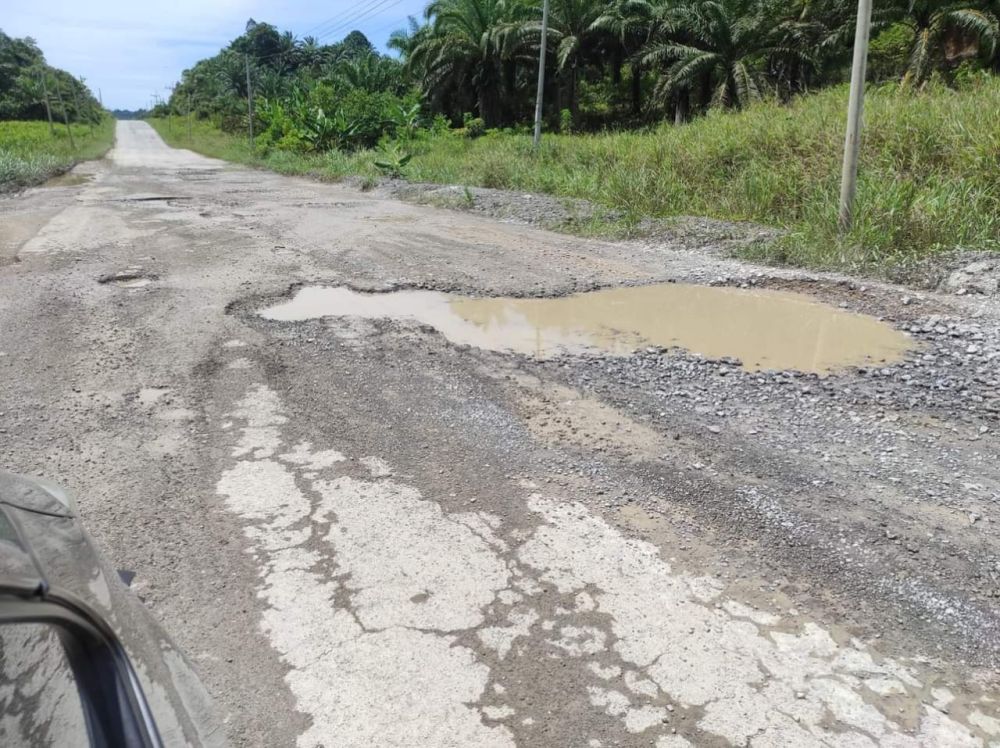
x=363, y=534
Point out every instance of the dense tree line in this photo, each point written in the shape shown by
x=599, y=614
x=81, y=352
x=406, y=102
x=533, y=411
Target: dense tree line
x=30, y=89
x=618, y=63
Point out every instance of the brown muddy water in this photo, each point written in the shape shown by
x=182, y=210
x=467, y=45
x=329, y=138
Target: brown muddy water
x=69, y=179
x=764, y=329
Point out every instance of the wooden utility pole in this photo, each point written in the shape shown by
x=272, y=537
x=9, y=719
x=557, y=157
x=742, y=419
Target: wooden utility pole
x=249, y=100
x=170, y=108
x=76, y=105
x=855, y=115
x=189, y=117
x=48, y=109
x=541, y=76
x=62, y=105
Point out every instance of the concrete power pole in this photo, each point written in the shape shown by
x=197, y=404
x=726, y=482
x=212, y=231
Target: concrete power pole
x=541, y=75
x=855, y=115
x=249, y=100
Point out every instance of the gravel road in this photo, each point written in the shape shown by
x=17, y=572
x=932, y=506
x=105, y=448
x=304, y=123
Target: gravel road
x=363, y=534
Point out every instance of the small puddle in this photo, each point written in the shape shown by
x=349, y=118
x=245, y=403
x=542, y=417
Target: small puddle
x=68, y=180
x=764, y=329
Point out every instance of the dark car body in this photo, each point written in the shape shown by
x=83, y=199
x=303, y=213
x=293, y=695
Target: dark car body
x=67, y=618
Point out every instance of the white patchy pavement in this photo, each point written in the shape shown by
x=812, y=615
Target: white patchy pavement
x=374, y=595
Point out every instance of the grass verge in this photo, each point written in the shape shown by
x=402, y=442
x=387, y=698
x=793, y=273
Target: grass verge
x=929, y=181
x=30, y=154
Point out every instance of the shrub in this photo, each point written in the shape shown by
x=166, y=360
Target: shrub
x=474, y=128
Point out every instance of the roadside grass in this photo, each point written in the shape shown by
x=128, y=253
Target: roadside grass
x=204, y=137
x=929, y=179
x=29, y=154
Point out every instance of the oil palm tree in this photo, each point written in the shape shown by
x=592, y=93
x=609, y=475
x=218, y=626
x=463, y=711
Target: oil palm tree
x=465, y=48
x=404, y=41
x=942, y=29
x=628, y=23
x=372, y=72
x=715, y=48
x=571, y=30
x=811, y=39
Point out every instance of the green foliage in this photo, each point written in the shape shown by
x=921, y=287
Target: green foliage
x=889, y=53
x=26, y=81
x=30, y=154
x=392, y=160
x=946, y=33
x=473, y=127
x=612, y=63
x=929, y=178
x=565, y=121
x=325, y=117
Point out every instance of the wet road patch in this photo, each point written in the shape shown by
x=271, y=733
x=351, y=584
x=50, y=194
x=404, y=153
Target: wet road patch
x=68, y=180
x=763, y=329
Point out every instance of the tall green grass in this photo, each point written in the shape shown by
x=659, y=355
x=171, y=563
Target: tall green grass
x=203, y=137
x=929, y=178
x=30, y=154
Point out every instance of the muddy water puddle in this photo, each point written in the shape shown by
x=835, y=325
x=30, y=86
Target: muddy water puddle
x=69, y=179
x=765, y=329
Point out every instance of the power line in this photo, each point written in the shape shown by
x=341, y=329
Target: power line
x=397, y=23
x=349, y=22
x=333, y=20
x=380, y=7
x=324, y=28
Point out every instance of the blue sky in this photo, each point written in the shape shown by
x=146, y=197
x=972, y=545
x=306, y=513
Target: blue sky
x=131, y=49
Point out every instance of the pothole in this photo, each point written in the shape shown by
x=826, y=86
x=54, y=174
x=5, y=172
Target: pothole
x=150, y=396
x=764, y=329
x=127, y=279
x=151, y=198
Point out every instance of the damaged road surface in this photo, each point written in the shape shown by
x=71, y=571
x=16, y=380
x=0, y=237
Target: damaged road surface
x=374, y=524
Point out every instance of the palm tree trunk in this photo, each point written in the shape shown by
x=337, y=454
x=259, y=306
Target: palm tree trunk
x=680, y=108
x=706, y=91
x=574, y=94
x=510, y=91
x=636, y=88
x=489, y=106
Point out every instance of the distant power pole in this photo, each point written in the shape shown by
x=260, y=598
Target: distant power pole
x=48, y=109
x=189, y=117
x=855, y=114
x=170, y=108
x=541, y=76
x=76, y=105
x=249, y=100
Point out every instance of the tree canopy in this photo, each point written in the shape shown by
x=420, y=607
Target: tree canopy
x=27, y=81
x=614, y=63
